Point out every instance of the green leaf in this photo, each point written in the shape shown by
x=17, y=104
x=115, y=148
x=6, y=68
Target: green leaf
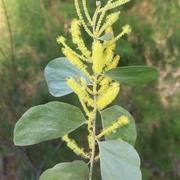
x=128, y=132
x=106, y=37
x=76, y=170
x=119, y=161
x=46, y=122
x=56, y=74
x=133, y=74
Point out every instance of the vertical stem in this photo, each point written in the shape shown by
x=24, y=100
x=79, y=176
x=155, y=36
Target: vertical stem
x=94, y=97
x=94, y=129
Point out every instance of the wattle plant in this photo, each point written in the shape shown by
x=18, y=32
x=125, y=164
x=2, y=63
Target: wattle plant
x=94, y=76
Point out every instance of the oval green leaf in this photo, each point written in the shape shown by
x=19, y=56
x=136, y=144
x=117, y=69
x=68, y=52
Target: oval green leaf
x=127, y=133
x=132, y=75
x=76, y=170
x=119, y=161
x=56, y=74
x=46, y=122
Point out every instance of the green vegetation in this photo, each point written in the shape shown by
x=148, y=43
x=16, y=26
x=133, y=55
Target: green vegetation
x=155, y=40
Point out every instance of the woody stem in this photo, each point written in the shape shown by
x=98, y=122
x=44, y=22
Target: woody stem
x=95, y=82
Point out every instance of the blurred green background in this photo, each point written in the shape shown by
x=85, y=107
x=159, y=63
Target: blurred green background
x=28, y=31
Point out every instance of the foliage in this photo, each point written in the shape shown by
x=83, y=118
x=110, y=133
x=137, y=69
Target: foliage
x=154, y=40
x=95, y=79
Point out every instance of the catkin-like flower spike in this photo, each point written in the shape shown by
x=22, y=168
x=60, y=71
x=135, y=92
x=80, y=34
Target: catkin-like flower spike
x=62, y=40
x=109, y=52
x=75, y=148
x=84, y=2
x=110, y=30
x=77, y=39
x=114, y=5
x=97, y=57
x=105, y=80
x=101, y=17
x=80, y=91
x=104, y=85
x=110, y=20
x=125, y=30
x=82, y=18
x=114, y=63
x=109, y=48
x=75, y=60
x=100, y=21
x=108, y=96
x=122, y=121
x=77, y=88
x=84, y=107
x=103, y=89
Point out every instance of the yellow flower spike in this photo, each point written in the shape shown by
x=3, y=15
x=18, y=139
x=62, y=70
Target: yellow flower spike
x=84, y=2
x=84, y=107
x=80, y=91
x=100, y=21
x=104, y=85
x=114, y=5
x=110, y=30
x=83, y=82
x=114, y=63
x=62, y=40
x=77, y=38
x=97, y=57
x=105, y=81
x=109, y=52
x=75, y=148
x=108, y=96
x=121, y=121
x=125, y=30
x=89, y=101
x=101, y=17
x=75, y=60
x=110, y=20
x=81, y=18
x=103, y=89
x=77, y=88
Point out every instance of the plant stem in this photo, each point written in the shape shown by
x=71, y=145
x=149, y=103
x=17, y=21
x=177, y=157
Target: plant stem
x=94, y=129
x=95, y=82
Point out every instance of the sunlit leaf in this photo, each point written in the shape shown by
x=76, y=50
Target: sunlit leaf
x=128, y=132
x=46, y=122
x=119, y=161
x=56, y=74
x=133, y=74
x=76, y=170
